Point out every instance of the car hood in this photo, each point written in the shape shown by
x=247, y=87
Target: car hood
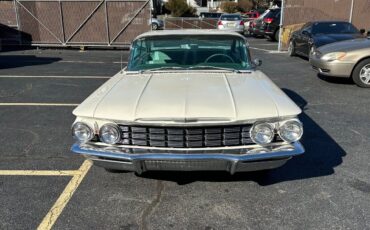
x=323, y=39
x=344, y=46
x=187, y=97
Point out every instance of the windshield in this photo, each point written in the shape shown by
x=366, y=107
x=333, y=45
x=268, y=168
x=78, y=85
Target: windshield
x=264, y=14
x=189, y=52
x=334, y=28
x=230, y=17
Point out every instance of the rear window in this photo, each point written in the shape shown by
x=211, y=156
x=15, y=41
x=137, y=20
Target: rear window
x=264, y=14
x=231, y=18
x=334, y=28
x=272, y=13
x=210, y=15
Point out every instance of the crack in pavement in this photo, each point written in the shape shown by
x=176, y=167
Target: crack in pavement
x=143, y=225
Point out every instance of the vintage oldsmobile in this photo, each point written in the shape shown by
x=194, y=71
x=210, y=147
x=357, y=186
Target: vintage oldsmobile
x=189, y=100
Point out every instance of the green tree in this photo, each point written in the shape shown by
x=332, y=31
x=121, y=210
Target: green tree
x=229, y=7
x=179, y=8
x=245, y=5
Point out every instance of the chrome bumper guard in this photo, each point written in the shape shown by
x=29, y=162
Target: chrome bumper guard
x=232, y=159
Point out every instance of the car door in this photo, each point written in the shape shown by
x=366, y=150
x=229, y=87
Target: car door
x=303, y=38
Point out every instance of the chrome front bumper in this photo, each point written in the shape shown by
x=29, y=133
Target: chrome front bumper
x=231, y=159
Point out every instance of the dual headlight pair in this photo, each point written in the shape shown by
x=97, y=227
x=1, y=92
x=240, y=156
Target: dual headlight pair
x=263, y=133
x=108, y=133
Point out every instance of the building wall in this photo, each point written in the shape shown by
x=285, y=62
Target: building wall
x=298, y=12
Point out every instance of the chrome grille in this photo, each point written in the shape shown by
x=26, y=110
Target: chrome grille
x=186, y=137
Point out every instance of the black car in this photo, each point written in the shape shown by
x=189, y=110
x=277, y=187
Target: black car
x=268, y=24
x=315, y=34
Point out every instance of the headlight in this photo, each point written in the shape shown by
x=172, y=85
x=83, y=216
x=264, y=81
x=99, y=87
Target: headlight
x=262, y=133
x=333, y=56
x=110, y=134
x=82, y=132
x=291, y=131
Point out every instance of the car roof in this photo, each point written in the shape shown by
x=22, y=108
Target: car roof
x=231, y=14
x=187, y=32
x=329, y=21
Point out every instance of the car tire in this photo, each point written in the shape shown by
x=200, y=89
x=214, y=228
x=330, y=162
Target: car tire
x=276, y=35
x=115, y=170
x=361, y=74
x=291, y=49
x=155, y=26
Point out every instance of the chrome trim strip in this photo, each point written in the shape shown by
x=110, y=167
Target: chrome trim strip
x=283, y=151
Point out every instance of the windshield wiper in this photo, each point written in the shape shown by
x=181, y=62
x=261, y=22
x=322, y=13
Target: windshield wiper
x=162, y=68
x=192, y=68
x=214, y=67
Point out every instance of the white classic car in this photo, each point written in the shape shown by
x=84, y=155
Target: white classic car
x=188, y=100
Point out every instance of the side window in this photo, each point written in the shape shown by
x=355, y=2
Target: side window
x=307, y=28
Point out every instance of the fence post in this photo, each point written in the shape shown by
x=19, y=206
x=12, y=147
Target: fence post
x=62, y=23
x=351, y=13
x=281, y=25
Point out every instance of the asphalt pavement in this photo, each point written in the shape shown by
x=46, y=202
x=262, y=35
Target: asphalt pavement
x=326, y=188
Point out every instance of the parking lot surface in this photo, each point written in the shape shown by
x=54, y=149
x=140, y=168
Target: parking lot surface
x=43, y=184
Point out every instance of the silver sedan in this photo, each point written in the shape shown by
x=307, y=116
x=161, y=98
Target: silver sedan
x=349, y=59
x=231, y=22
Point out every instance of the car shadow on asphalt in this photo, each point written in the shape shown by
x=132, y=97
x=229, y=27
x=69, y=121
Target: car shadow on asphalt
x=322, y=155
x=15, y=61
x=336, y=80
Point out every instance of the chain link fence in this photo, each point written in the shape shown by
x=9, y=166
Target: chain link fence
x=79, y=22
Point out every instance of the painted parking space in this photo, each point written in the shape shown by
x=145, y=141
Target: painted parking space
x=25, y=200
x=59, y=62
x=47, y=90
x=262, y=44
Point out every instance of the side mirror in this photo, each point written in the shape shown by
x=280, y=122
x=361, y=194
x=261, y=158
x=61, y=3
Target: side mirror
x=362, y=31
x=306, y=33
x=368, y=33
x=257, y=62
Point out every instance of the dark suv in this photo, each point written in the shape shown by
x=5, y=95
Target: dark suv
x=269, y=24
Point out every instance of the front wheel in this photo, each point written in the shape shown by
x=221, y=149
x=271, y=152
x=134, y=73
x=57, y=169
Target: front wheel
x=291, y=49
x=154, y=26
x=361, y=74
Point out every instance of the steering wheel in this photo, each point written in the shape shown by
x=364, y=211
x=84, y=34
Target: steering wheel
x=216, y=55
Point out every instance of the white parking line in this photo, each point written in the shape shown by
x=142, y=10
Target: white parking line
x=76, y=77
x=269, y=51
x=72, y=61
x=88, y=62
x=39, y=104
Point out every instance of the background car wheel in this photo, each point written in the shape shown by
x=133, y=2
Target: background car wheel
x=276, y=35
x=291, y=49
x=154, y=26
x=361, y=74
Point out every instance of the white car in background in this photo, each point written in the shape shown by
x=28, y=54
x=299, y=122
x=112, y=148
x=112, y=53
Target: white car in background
x=189, y=100
x=231, y=22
